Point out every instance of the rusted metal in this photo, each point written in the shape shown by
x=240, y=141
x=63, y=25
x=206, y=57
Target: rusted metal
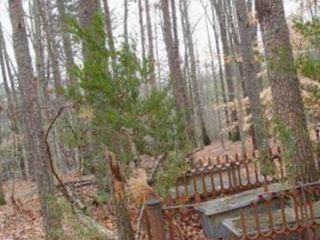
x=234, y=174
x=155, y=220
x=296, y=217
x=212, y=180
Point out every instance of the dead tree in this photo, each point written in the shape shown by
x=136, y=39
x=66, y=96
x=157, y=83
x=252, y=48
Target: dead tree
x=117, y=188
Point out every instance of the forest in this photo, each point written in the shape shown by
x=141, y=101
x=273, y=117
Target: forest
x=159, y=119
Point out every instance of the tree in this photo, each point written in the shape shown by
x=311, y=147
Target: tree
x=287, y=101
x=125, y=22
x=251, y=81
x=221, y=74
x=215, y=84
x=152, y=77
x=110, y=38
x=172, y=49
x=142, y=32
x=221, y=16
x=194, y=78
x=12, y=104
x=35, y=132
x=72, y=80
x=49, y=31
x=87, y=11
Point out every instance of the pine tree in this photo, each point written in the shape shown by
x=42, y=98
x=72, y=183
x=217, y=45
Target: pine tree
x=287, y=101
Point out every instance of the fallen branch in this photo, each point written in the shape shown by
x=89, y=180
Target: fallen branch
x=79, y=184
x=154, y=171
x=93, y=224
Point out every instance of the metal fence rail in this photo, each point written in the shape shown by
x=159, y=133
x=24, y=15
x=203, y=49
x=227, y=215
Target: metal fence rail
x=223, y=178
x=297, y=216
x=176, y=219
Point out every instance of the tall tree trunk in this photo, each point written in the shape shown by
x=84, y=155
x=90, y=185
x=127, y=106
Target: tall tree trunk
x=152, y=77
x=49, y=30
x=72, y=79
x=20, y=117
x=220, y=11
x=87, y=11
x=221, y=74
x=110, y=38
x=254, y=40
x=38, y=44
x=287, y=100
x=125, y=22
x=172, y=49
x=194, y=78
x=36, y=136
x=215, y=85
x=251, y=83
x=142, y=32
x=11, y=108
x=157, y=49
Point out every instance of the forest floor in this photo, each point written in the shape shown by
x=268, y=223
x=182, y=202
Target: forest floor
x=20, y=219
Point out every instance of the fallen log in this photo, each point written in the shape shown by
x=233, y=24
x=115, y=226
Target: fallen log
x=104, y=232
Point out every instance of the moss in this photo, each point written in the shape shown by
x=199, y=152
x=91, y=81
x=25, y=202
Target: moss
x=2, y=200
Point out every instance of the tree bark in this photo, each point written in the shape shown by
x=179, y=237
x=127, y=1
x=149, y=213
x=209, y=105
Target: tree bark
x=110, y=38
x=125, y=22
x=220, y=11
x=12, y=112
x=72, y=79
x=172, y=49
x=38, y=44
x=119, y=197
x=142, y=32
x=251, y=82
x=35, y=131
x=152, y=77
x=49, y=30
x=215, y=84
x=87, y=11
x=287, y=100
x=221, y=74
x=194, y=78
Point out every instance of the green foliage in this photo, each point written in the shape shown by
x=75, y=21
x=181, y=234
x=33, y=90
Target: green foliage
x=56, y=230
x=309, y=63
x=310, y=30
x=285, y=135
x=2, y=198
x=175, y=166
x=77, y=230
x=119, y=114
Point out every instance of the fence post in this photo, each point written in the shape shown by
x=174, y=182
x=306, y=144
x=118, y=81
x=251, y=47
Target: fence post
x=155, y=219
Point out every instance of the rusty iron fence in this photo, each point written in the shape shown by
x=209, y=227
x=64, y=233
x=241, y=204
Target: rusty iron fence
x=297, y=216
x=226, y=176
x=175, y=218
x=288, y=214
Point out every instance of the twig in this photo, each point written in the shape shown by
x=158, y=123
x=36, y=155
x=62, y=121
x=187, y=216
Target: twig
x=52, y=122
x=138, y=234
